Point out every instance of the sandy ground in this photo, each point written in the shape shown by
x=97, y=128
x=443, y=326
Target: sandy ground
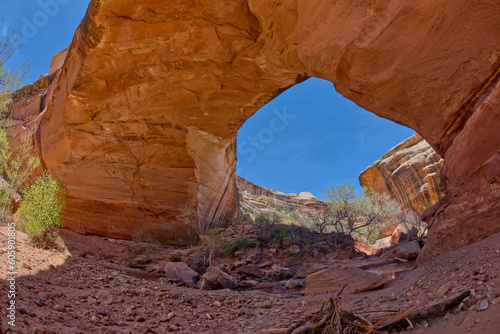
x=90, y=290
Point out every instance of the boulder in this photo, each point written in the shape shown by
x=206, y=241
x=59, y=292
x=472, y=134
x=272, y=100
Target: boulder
x=282, y=272
x=332, y=279
x=180, y=270
x=250, y=270
x=294, y=284
x=216, y=279
x=408, y=250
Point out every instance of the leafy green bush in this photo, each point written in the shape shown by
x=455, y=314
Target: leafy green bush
x=43, y=205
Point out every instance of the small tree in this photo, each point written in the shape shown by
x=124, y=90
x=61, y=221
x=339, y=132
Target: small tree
x=342, y=210
x=16, y=167
x=266, y=223
x=43, y=205
x=377, y=212
x=361, y=215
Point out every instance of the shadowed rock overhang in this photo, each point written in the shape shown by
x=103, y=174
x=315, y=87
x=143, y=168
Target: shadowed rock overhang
x=141, y=119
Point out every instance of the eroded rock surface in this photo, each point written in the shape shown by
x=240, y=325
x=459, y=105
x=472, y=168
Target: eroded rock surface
x=253, y=195
x=141, y=119
x=409, y=173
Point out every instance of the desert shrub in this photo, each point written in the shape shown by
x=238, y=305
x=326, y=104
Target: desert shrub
x=242, y=243
x=143, y=243
x=43, y=204
x=176, y=233
x=15, y=166
x=280, y=232
x=175, y=258
x=266, y=223
x=48, y=239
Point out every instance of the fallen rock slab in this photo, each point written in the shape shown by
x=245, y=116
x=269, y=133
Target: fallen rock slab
x=216, y=279
x=180, y=270
x=332, y=279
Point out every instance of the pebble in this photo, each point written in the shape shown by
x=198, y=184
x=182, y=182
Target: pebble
x=23, y=310
x=101, y=311
x=443, y=289
x=483, y=305
x=91, y=300
x=38, y=301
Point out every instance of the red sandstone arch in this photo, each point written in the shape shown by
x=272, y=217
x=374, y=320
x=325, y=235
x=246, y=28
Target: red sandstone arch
x=141, y=119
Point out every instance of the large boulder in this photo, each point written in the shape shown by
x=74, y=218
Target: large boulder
x=333, y=279
x=216, y=279
x=181, y=271
x=408, y=250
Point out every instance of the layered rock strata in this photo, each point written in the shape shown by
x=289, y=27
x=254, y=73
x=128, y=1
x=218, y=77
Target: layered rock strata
x=141, y=119
x=263, y=197
x=409, y=173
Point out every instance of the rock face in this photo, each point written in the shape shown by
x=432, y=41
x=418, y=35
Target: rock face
x=260, y=197
x=181, y=271
x=409, y=173
x=141, y=119
x=333, y=279
x=216, y=279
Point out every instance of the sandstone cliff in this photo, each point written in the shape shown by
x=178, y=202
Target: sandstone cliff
x=141, y=119
x=264, y=198
x=409, y=173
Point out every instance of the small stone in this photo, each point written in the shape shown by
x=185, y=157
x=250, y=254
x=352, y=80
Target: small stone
x=23, y=310
x=58, y=308
x=170, y=316
x=27, y=266
x=101, y=311
x=265, y=304
x=217, y=303
x=412, y=293
x=172, y=328
x=483, y=305
x=443, y=290
x=129, y=312
x=424, y=324
x=91, y=300
x=38, y=301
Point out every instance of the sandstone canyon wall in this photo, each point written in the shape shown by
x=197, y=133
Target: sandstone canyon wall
x=262, y=197
x=140, y=121
x=409, y=173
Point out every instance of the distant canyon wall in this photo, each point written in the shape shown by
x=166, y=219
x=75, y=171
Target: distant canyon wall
x=261, y=197
x=409, y=173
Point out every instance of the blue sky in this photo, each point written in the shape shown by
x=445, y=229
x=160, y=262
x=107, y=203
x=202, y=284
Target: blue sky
x=306, y=139
x=46, y=27
x=327, y=140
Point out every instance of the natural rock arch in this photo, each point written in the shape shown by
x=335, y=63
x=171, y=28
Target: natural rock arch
x=141, y=119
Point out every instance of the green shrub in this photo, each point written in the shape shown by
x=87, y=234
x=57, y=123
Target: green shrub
x=266, y=223
x=224, y=248
x=242, y=243
x=43, y=205
x=175, y=258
